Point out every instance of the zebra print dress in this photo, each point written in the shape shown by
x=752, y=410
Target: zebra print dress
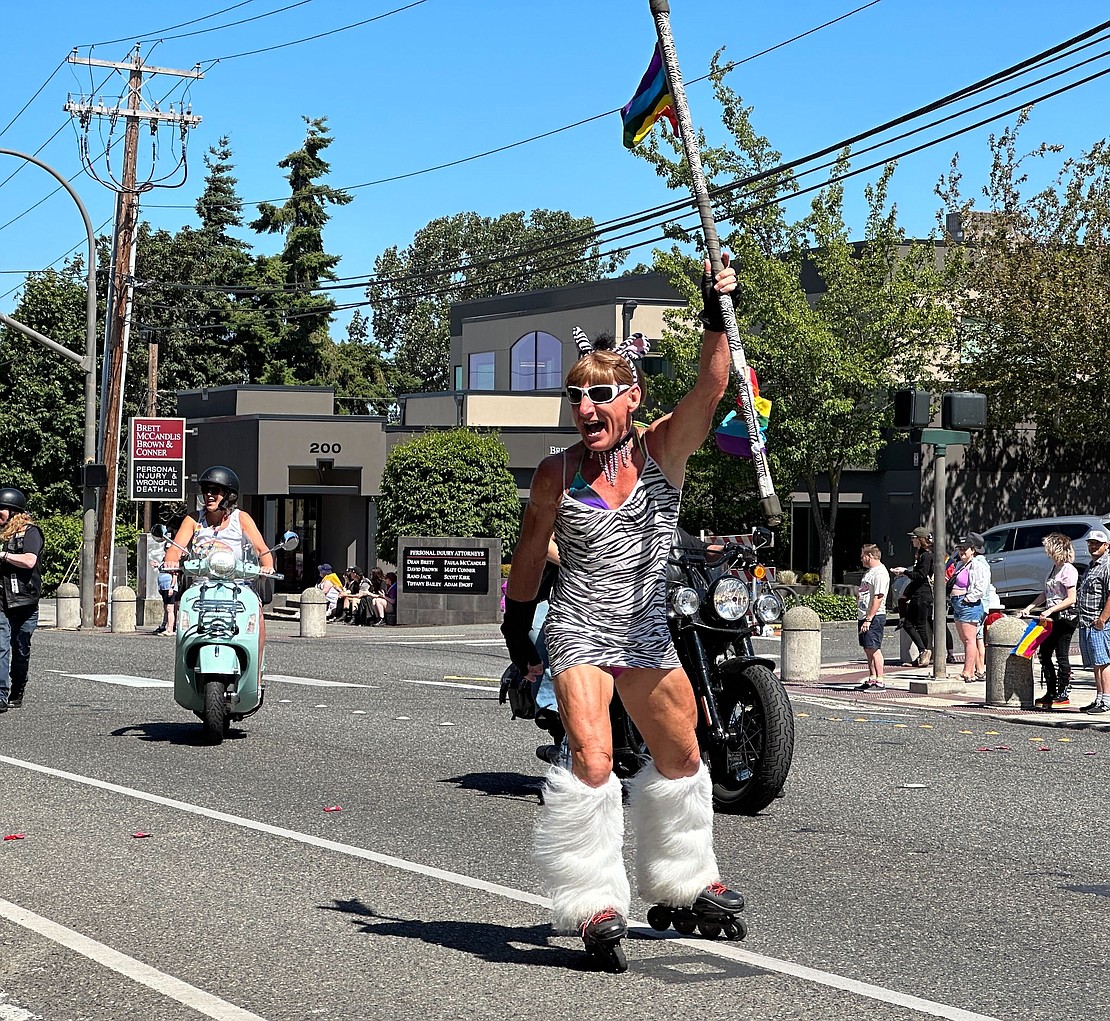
x=609, y=605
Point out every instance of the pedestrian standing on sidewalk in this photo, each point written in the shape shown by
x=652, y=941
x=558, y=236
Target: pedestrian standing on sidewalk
x=21, y=543
x=1058, y=609
x=1093, y=598
x=969, y=584
x=873, y=589
x=917, y=620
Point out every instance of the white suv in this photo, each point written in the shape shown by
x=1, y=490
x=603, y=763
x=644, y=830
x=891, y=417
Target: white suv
x=1019, y=562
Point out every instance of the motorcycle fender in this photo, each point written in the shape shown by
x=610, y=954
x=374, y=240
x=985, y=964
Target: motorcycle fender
x=217, y=659
x=770, y=664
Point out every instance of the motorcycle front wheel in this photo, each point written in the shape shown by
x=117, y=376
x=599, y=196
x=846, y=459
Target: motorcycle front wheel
x=749, y=769
x=216, y=721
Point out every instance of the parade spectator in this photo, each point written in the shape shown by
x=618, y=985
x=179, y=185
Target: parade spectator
x=1093, y=598
x=170, y=592
x=917, y=609
x=332, y=588
x=1058, y=610
x=968, y=589
x=871, y=602
x=21, y=544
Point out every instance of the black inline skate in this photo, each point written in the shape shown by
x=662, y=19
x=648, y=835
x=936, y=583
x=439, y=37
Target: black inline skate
x=602, y=934
x=715, y=910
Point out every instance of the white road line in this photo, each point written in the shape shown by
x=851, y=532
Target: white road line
x=126, y=680
x=315, y=682
x=170, y=987
x=451, y=684
x=719, y=949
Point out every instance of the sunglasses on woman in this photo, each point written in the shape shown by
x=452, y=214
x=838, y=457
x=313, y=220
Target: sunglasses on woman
x=218, y=490
x=599, y=393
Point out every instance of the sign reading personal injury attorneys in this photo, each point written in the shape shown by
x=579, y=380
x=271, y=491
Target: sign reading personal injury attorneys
x=157, y=459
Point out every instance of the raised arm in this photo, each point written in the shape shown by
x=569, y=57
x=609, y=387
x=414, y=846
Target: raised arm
x=677, y=435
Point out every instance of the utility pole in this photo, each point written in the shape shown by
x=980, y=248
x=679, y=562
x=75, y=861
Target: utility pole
x=151, y=401
x=128, y=189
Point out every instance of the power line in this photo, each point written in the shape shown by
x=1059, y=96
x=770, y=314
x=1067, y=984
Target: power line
x=309, y=38
x=555, y=131
x=170, y=28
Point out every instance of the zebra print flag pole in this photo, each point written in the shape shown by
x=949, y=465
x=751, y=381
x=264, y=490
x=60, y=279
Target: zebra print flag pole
x=768, y=500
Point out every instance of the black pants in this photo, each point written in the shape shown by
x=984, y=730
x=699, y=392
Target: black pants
x=1057, y=644
x=918, y=624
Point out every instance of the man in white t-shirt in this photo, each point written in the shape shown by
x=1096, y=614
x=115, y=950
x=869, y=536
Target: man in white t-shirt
x=871, y=613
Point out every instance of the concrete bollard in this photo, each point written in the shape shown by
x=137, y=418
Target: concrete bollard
x=1009, y=678
x=123, y=610
x=314, y=612
x=801, y=646
x=68, y=602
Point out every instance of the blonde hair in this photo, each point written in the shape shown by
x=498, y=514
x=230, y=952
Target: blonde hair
x=14, y=525
x=1059, y=547
x=602, y=367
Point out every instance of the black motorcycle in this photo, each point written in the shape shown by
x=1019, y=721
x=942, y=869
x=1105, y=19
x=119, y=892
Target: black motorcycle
x=718, y=598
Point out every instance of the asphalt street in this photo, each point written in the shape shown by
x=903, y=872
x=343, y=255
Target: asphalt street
x=360, y=849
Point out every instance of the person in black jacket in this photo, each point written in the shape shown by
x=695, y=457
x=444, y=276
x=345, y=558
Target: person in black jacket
x=21, y=543
x=916, y=601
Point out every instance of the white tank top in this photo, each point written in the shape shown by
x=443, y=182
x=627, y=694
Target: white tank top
x=229, y=535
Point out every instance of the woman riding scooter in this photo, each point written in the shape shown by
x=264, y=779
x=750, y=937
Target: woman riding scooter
x=221, y=523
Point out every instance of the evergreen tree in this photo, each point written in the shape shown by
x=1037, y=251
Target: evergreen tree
x=294, y=320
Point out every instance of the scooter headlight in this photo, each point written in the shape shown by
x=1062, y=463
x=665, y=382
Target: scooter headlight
x=221, y=563
x=729, y=598
x=768, y=608
x=685, y=601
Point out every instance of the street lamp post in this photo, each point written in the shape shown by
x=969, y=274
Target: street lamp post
x=87, y=363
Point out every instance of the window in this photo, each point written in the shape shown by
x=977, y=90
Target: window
x=536, y=362
x=457, y=376
x=481, y=370
x=998, y=542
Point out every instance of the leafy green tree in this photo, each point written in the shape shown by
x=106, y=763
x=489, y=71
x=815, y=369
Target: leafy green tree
x=366, y=383
x=467, y=256
x=826, y=360
x=1034, y=326
x=453, y=483
x=42, y=413
x=295, y=320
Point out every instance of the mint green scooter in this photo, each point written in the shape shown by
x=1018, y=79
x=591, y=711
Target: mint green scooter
x=217, y=668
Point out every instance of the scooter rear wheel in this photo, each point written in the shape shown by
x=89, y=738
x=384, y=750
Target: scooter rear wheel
x=215, y=719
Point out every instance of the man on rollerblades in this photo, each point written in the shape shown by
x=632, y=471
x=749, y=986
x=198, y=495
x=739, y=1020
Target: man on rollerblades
x=612, y=501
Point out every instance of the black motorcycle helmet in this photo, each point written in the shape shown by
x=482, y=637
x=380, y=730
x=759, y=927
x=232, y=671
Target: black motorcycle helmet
x=218, y=475
x=13, y=499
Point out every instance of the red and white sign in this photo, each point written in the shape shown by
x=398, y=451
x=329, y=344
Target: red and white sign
x=157, y=459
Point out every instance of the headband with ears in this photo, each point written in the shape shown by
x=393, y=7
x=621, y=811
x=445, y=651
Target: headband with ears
x=632, y=349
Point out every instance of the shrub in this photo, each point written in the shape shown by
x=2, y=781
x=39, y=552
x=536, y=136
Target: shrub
x=826, y=605
x=786, y=577
x=810, y=578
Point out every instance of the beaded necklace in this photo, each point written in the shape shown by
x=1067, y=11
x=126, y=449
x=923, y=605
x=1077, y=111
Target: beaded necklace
x=612, y=459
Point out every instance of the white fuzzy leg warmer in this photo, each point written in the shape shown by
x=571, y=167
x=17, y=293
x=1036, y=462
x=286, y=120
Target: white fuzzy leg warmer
x=579, y=837
x=673, y=821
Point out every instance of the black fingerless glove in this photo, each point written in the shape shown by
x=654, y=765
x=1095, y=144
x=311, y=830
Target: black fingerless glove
x=515, y=627
x=712, y=318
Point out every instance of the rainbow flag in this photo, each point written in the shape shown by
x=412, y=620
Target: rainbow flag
x=652, y=101
x=732, y=434
x=1035, y=633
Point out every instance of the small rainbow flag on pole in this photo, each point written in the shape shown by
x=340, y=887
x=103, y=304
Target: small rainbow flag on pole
x=652, y=101
x=1030, y=642
x=732, y=434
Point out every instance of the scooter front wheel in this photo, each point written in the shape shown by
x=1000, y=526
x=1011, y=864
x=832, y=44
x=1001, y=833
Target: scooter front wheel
x=216, y=720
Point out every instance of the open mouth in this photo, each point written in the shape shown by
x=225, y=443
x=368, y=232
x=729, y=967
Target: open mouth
x=593, y=428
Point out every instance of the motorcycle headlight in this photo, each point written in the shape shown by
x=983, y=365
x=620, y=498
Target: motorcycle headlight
x=768, y=608
x=685, y=601
x=221, y=563
x=729, y=598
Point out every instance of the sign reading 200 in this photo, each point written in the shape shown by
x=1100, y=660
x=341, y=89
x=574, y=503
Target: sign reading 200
x=325, y=448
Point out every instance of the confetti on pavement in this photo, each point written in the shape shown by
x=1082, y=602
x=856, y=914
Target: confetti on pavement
x=333, y=808
x=15, y=836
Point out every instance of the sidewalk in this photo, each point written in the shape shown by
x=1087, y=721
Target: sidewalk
x=839, y=679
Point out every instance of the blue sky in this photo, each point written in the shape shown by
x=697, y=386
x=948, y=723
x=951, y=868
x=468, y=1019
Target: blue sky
x=446, y=79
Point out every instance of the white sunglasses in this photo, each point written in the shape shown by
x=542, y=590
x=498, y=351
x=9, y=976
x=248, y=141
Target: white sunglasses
x=599, y=393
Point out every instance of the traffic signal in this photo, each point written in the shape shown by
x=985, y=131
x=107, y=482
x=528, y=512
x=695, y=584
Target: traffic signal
x=912, y=409
x=963, y=410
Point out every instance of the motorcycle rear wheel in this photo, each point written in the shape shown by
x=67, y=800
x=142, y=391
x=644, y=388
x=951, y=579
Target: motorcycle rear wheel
x=216, y=720
x=756, y=711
